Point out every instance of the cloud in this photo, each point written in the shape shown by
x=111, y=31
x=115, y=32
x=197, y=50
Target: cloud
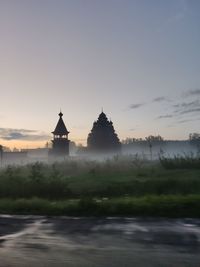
x=160, y=99
x=192, y=92
x=188, y=120
x=164, y=116
x=155, y=100
x=187, y=107
x=7, y=130
x=184, y=121
x=193, y=110
x=180, y=110
x=138, y=105
x=22, y=134
x=184, y=105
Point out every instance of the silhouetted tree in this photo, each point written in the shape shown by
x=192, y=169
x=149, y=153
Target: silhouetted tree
x=194, y=136
x=6, y=149
x=154, y=140
x=130, y=141
x=194, y=139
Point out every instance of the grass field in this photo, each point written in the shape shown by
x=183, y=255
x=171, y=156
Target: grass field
x=119, y=186
x=162, y=206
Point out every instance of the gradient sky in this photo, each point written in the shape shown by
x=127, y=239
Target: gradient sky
x=138, y=59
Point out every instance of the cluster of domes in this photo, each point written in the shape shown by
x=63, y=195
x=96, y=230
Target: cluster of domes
x=102, y=136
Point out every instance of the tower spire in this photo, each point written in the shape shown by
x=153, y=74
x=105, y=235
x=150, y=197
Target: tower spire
x=60, y=114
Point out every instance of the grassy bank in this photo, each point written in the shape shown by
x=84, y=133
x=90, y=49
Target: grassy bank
x=119, y=186
x=164, y=206
x=112, y=178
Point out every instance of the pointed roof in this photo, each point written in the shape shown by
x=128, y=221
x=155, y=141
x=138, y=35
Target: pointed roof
x=60, y=127
x=102, y=116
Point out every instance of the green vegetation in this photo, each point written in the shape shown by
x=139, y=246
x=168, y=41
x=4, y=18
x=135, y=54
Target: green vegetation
x=119, y=186
x=181, y=162
x=165, y=206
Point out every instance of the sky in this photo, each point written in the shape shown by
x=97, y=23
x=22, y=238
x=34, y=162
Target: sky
x=139, y=60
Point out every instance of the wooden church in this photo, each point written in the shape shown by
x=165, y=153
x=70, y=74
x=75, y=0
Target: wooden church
x=103, y=137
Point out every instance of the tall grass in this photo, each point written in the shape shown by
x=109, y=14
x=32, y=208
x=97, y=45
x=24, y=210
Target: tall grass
x=119, y=186
x=163, y=206
x=117, y=177
x=184, y=161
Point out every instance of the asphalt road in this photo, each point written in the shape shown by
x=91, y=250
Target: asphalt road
x=27, y=241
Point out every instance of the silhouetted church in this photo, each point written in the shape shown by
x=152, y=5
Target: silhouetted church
x=102, y=137
x=60, y=142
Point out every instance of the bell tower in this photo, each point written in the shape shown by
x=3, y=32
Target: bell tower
x=60, y=142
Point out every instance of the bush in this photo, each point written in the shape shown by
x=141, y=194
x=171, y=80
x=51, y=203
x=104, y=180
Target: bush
x=181, y=162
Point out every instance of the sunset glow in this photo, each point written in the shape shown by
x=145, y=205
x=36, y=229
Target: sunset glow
x=139, y=60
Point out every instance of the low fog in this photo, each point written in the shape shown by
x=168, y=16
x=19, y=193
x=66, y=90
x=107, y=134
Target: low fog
x=140, y=149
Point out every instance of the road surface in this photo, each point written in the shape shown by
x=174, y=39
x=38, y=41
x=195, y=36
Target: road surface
x=28, y=241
